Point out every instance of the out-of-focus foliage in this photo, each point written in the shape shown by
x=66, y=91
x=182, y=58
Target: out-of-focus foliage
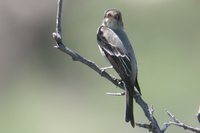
x=44, y=91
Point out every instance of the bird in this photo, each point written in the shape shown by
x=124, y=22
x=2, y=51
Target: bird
x=198, y=115
x=114, y=44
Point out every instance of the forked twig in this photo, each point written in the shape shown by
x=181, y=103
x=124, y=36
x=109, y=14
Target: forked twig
x=178, y=123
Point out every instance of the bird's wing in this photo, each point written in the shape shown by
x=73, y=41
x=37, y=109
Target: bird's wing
x=114, y=50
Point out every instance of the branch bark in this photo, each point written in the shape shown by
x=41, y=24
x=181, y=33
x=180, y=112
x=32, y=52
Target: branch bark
x=153, y=126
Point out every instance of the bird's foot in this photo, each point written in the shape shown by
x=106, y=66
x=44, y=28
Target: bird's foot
x=120, y=82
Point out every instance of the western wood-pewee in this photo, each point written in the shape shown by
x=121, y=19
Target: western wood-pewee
x=115, y=46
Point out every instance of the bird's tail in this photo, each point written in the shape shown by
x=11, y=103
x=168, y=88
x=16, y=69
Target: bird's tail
x=129, y=108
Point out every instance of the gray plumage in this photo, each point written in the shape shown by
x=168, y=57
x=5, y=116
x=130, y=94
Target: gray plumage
x=115, y=46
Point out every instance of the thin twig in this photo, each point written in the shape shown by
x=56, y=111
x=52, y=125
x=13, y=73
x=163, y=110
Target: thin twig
x=178, y=123
x=143, y=125
x=116, y=94
x=58, y=17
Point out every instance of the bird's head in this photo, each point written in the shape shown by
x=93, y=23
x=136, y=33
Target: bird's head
x=113, y=19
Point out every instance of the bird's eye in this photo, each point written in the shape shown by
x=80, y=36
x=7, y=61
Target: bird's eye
x=117, y=16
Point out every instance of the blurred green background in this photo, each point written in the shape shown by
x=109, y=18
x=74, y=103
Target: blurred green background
x=43, y=91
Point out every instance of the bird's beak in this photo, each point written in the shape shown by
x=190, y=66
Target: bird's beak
x=110, y=17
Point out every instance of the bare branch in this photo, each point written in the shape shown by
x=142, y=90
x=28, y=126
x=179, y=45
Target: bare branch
x=178, y=123
x=153, y=126
x=58, y=17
